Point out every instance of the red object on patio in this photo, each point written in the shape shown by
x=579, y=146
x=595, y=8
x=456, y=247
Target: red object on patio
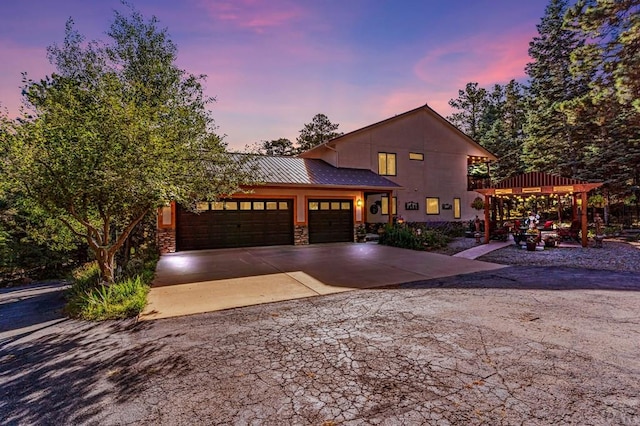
x=538, y=183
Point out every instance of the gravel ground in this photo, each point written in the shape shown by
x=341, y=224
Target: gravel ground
x=615, y=255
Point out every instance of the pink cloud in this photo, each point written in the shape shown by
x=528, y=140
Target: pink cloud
x=256, y=16
x=483, y=59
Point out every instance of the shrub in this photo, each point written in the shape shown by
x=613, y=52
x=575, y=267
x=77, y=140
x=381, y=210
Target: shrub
x=415, y=237
x=90, y=300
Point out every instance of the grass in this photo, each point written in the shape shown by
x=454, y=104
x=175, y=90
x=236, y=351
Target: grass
x=88, y=299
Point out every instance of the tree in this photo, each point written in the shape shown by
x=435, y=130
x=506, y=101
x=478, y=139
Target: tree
x=610, y=58
x=502, y=129
x=320, y=130
x=116, y=132
x=471, y=103
x=282, y=146
x=554, y=142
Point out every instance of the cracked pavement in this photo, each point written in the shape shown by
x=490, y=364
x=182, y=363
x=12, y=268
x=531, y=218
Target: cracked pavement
x=520, y=345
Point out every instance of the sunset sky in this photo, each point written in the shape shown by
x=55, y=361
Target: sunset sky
x=274, y=64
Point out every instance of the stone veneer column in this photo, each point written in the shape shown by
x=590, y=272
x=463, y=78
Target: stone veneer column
x=301, y=235
x=166, y=240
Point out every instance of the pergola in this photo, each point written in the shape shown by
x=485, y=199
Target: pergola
x=538, y=183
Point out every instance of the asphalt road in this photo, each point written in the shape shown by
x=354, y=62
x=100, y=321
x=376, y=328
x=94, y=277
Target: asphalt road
x=520, y=345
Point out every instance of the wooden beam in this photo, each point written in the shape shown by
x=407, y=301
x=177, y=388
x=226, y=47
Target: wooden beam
x=487, y=231
x=583, y=219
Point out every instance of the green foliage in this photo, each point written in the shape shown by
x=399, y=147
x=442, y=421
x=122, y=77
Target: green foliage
x=117, y=131
x=416, y=237
x=282, y=146
x=556, y=142
x=471, y=104
x=89, y=299
x=477, y=203
x=319, y=131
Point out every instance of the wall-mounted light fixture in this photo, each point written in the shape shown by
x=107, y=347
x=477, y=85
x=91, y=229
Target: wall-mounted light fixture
x=359, y=203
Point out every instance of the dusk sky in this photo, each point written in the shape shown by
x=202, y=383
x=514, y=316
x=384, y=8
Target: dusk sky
x=274, y=64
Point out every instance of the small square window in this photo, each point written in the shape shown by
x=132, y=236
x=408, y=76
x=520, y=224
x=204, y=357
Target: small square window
x=335, y=205
x=258, y=205
x=231, y=205
x=345, y=206
x=313, y=205
x=272, y=205
x=202, y=206
x=433, y=205
x=418, y=156
x=283, y=205
x=325, y=205
x=217, y=205
x=245, y=205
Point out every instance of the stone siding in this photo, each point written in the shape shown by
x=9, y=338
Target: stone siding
x=166, y=240
x=301, y=235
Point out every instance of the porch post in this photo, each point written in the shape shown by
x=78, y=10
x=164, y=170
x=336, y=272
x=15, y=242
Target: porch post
x=583, y=218
x=487, y=232
x=390, y=198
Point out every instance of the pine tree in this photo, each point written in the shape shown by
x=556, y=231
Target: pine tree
x=554, y=143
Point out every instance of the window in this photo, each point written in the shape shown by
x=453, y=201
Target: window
x=384, y=208
x=325, y=205
x=313, y=205
x=345, y=206
x=394, y=205
x=217, y=205
x=335, y=205
x=202, y=206
x=283, y=205
x=231, y=205
x=272, y=205
x=433, y=205
x=245, y=205
x=457, y=214
x=418, y=156
x=258, y=205
x=386, y=164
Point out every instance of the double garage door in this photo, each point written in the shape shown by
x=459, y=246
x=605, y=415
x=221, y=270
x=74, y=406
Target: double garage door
x=263, y=222
x=237, y=223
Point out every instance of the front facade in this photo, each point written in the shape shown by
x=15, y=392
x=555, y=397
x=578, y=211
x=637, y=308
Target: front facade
x=414, y=166
x=424, y=154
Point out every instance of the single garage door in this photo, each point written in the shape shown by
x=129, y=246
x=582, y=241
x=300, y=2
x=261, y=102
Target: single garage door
x=236, y=223
x=330, y=221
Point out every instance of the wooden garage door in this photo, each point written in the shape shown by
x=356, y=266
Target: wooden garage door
x=236, y=223
x=330, y=221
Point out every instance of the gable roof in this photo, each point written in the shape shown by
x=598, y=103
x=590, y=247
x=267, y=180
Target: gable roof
x=288, y=171
x=424, y=108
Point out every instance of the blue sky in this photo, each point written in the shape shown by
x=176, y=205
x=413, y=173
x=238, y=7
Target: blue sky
x=273, y=64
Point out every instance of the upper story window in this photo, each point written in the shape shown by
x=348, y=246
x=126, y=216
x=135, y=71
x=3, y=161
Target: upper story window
x=418, y=156
x=386, y=164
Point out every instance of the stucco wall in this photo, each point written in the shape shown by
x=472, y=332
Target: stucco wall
x=442, y=174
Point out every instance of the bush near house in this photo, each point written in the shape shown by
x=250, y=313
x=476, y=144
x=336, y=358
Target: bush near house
x=89, y=299
x=414, y=237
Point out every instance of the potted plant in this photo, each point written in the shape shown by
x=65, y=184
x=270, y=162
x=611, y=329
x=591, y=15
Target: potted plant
x=361, y=233
x=532, y=239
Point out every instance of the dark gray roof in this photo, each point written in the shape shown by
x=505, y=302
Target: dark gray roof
x=306, y=171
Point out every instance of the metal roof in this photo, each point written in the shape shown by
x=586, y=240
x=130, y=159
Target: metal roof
x=283, y=170
x=533, y=179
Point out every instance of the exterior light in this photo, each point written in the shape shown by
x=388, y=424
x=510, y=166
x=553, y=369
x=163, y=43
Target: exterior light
x=359, y=203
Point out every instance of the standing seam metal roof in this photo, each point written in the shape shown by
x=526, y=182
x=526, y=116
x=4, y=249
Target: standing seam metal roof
x=306, y=171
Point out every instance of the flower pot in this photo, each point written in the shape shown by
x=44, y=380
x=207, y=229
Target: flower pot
x=531, y=246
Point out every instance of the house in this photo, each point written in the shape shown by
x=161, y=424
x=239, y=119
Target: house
x=414, y=165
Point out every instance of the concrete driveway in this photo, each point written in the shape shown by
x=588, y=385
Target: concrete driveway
x=204, y=281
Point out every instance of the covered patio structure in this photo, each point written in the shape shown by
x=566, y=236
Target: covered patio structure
x=538, y=183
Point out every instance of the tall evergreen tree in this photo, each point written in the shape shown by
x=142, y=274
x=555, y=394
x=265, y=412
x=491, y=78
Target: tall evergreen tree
x=611, y=59
x=502, y=129
x=320, y=130
x=471, y=104
x=554, y=142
